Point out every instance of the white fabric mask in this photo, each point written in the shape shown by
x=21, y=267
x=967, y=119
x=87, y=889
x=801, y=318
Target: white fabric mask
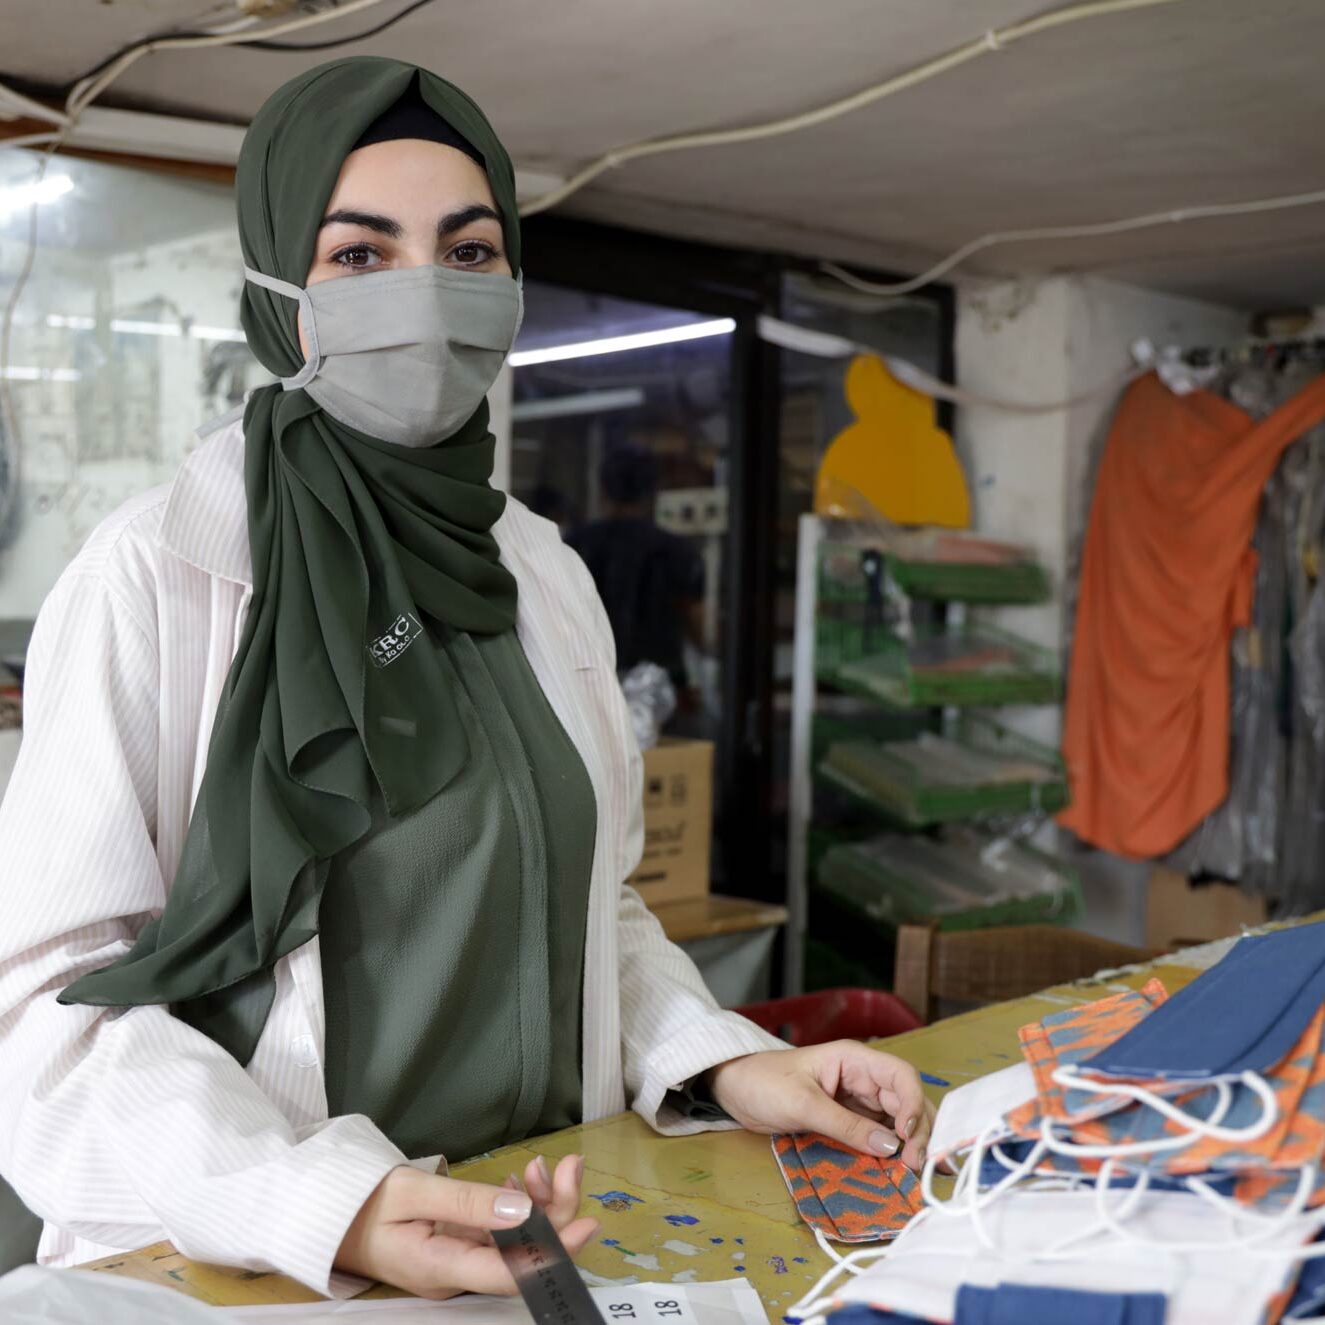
x=1054, y=1238
x=407, y=355
x=967, y=1111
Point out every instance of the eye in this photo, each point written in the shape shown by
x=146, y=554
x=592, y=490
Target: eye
x=356, y=257
x=471, y=253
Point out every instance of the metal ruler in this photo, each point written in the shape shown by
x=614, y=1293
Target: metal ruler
x=546, y=1277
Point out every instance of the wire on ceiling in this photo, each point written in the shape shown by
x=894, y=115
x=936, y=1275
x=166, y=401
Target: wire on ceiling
x=996, y=39
x=826, y=345
x=92, y=84
x=259, y=43
x=337, y=41
x=998, y=237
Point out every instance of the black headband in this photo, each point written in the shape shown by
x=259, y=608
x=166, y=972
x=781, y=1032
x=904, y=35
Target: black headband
x=412, y=117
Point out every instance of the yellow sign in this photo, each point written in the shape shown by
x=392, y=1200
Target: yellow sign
x=893, y=461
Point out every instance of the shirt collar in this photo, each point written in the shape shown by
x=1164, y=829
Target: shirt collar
x=206, y=516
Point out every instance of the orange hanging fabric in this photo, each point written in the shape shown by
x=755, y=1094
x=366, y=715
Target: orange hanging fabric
x=1167, y=577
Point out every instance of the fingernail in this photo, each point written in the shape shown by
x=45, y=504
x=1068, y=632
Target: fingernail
x=920, y=1158
x=513, y=1206
x=909, y=1126
x=882, y=1143
x=513, y=1182
x=543, y=1170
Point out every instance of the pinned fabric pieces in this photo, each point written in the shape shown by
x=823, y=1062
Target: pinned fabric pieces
x=844, y=1194
x=1166, y=579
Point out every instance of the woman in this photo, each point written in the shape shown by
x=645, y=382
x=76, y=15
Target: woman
x=327, y=792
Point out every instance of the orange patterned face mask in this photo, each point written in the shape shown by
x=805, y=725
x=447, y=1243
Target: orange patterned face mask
x=1067, y=1038
x=1266, y=1166
x=844, y=1194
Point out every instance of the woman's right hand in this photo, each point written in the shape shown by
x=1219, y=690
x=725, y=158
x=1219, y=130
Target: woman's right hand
x=429, y=1235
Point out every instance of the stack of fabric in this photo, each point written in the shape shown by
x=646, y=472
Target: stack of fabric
x=1151, y=1160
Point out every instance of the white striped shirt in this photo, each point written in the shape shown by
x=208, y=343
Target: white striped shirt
x=126, y=1127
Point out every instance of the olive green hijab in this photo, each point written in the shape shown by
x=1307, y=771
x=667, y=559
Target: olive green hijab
x=350, y=536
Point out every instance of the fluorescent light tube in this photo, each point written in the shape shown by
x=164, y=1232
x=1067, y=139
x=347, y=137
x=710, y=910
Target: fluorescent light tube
x=585, y=349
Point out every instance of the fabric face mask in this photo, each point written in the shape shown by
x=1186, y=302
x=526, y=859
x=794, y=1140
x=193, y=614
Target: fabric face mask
x=1243, y=1015
x=1041, y=1238
x=406, y=356
x=844, y=1194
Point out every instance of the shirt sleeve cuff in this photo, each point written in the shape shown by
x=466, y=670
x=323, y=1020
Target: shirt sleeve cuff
x=333, y=1191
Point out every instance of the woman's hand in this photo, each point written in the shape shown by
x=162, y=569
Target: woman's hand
x=868, y=1100
x=429, y=1235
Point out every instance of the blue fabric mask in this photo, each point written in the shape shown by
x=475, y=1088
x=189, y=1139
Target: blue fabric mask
x=1017, y=1304
x=1243, y=1015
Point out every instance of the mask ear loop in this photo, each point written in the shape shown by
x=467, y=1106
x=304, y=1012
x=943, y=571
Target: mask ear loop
x=1244, y=1244
x=1068, y=1078
x=809, y=1310
x=813, y=1306
x=967, y=1199
x=1306, y=1182
x=846, y=1262
x=306, y=320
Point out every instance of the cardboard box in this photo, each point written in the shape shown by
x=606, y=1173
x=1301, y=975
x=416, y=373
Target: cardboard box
x=1180, y=914
x=678, y=821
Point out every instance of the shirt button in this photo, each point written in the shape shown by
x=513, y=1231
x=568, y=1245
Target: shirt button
x=304, y=1050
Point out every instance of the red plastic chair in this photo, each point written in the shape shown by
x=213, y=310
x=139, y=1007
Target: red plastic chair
x=833, y=1014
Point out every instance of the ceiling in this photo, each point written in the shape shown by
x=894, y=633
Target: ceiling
x=1195, y=102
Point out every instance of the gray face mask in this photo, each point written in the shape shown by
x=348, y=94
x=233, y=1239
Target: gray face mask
x=408, y=355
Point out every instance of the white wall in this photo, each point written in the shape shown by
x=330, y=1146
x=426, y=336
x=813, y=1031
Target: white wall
x=1031, y=475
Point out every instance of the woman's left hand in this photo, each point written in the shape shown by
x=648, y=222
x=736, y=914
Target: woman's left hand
x=868, y=1100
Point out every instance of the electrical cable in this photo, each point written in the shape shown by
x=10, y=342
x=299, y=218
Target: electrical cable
x=91, y=86
x=992, y=40
x=1172, y=216
x=34, y=109
x=30, y=140
x=825, y=345
x=337, y=41
x=255, y=43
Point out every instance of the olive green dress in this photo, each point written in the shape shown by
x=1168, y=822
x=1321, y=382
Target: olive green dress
x=452, y=939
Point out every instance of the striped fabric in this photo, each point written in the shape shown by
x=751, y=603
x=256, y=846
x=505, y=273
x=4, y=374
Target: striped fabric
x=124, y=1127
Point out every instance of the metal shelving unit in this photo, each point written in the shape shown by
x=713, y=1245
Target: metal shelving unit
x=843, y=638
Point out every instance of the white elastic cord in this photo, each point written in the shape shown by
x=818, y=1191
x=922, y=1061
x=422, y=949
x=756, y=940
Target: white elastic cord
x=306, y=320
x=828, y=1250
x=1069, y=1078
x=1243, y=1244
x=815, y=1300
x=1235, y=1210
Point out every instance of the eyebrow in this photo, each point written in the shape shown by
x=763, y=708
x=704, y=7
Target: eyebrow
x=457, y=220
x=384, y=225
